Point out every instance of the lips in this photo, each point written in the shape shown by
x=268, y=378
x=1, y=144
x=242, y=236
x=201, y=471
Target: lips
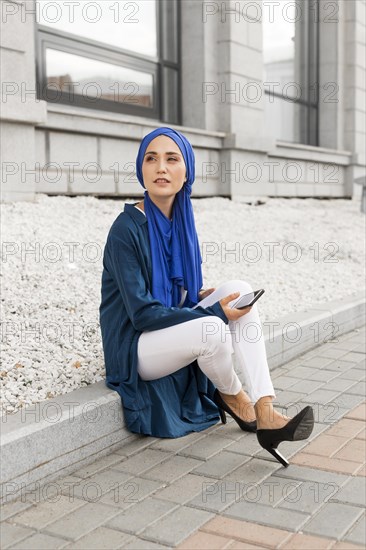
x=161, y=180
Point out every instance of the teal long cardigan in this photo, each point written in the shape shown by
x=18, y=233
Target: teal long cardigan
x=176, y=404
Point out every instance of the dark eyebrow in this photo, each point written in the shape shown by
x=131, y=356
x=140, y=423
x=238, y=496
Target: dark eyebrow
x=155, y=153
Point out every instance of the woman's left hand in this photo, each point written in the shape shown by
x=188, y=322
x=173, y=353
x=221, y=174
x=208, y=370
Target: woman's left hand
x=204, y=293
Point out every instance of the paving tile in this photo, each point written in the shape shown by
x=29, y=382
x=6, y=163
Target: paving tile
x=309, y=497
x=9, y=509
x=91, y=489
x=101, y=538
x=354, y=374
x=325, y=445
x=215, y=497
x=98, y=465
x=361, y=472
x=172, y=469
x=10, y=534
x=359, y=413
x=317, y=361
x=357, y=534
x=245, y=531
x=136, y=518
x=220, y=465
x=302, y=372
x=40, y=515
x=271, y=491
x=205, y=541
x=332, y=353
x=176, y=444
x=311, y=474
x=134, y=444
x=353, y=357
x=131, y=492
x=360, y=348
x=253, y=471
x=144, y=460
x=307, y=386
x=239, y=545
x=137, y=543
x=325, y=463
x=184, y=489
x=40, y=541
x=323, y=396
x=353, y=492
x=333, y=520
x=177, y=526
x=246, y=446
x=347, y=546
x=82, y=520
x=307, y=542
x=230, y=430
x=284, y=369
x=362, y=434
x=353, y=451
x=339, y=365
x=358, y=335
x=347, y=344
x=206, y=447
x=284, y=382
x=340, y=384
x=348, y=401
x=346, y=427
x=266, y=515
x=286, y=398
x=357, y=389
x=324, y=375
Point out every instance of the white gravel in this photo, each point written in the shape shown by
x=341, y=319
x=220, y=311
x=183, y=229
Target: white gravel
x=52, y=265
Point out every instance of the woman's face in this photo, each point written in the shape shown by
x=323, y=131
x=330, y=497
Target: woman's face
x=163, y=161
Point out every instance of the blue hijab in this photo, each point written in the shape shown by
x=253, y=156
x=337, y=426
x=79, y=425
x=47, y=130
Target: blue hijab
x=176, y=256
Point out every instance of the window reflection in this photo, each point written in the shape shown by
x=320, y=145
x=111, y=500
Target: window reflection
x=125, y=24
x=92, y=79
x=279, y=41
x=290, y=69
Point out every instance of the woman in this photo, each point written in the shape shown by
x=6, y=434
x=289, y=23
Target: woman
x=166, y=344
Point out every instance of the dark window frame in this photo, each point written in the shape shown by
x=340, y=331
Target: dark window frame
x=312, y=76
x=45, y=37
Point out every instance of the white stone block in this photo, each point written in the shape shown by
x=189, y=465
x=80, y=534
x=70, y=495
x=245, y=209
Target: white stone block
x=119, y=153
x=66, y=148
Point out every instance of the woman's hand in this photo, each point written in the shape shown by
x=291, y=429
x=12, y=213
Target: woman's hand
x=204, y=293
x=233, y=314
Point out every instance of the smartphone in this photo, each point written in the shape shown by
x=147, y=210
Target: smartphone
x=248, y=299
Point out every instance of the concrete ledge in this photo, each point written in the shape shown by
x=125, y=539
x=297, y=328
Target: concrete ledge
x=53, y=438
x=58, y=436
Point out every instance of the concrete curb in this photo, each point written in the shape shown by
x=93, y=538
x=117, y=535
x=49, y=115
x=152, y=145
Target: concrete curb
x=56, y=437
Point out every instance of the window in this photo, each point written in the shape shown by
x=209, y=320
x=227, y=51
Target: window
x=290, y=49
x=109, y=55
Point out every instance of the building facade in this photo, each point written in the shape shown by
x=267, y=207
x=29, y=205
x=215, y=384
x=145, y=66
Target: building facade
x=271, y=94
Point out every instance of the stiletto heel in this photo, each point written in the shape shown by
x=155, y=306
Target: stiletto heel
x=222, y=416
x=276, y=453
x=299, y=427
x=246, y=426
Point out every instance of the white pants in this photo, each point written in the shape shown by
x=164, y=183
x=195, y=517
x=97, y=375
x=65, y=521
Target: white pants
x=212, y=343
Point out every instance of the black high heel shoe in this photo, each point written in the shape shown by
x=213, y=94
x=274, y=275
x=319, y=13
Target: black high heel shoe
x=246, y=426
x=299, y=427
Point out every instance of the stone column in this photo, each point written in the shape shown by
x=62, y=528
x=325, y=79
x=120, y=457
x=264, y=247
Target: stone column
x=21, y=111
x=355, y=92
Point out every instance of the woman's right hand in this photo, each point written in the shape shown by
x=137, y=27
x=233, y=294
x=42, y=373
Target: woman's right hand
x=233, y=313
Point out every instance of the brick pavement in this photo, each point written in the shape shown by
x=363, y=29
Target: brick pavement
x=218, y=488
